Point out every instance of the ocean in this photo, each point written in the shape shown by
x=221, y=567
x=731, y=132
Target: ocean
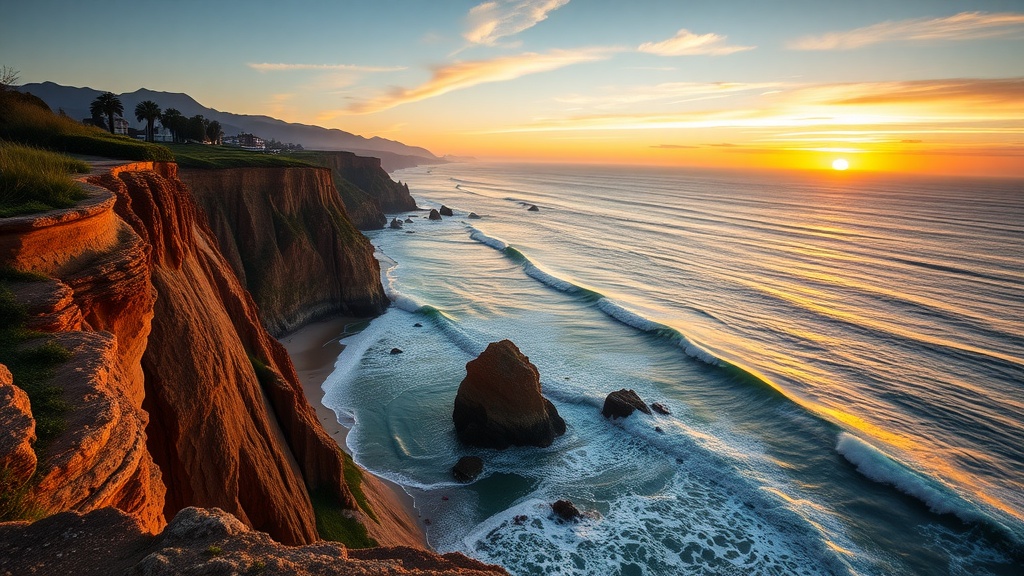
x=842, y=355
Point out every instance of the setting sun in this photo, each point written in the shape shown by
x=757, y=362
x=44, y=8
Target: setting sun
x=840, y=164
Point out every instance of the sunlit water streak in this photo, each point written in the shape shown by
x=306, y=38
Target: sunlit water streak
x=844, y=358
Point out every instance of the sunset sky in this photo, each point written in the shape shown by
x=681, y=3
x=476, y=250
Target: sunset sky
x=911, y=85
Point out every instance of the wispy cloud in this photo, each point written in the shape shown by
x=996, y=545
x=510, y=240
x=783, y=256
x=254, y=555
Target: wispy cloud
x=686, y=43
x=462, y=75
x=962, y=26
x=490, y=21
x=283, y=67
x=673, y=146
x=667, y=92
x=983, y=105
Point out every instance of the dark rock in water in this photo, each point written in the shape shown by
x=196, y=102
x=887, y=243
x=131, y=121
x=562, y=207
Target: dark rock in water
x=434, y=215
x=520, y=519
x=622, y=403
x=410, y=231
x=396, y=223
x=473, y=216
x=660, y=408
x=417, y=325
x=408, y=220
x=396, y=350
x=467, y=468
x=533, y=208
x=566, y=511
x=499, y=403
x=659, y=430
x=445, y=211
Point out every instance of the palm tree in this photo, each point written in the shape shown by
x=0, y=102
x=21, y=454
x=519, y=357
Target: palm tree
x=173, y=121
x=108, y=105
x=149, y=111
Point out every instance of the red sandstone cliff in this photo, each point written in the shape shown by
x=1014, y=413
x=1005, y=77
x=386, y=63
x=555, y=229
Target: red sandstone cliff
x=365, y=188
x=286, y=235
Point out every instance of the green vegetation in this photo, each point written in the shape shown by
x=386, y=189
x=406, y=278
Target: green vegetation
x=354, y=480
x=333, y=523
x=33, y=180
x=31, y=358
x=150, y=112
x=27, y=120
x=199, y=156
x=108, y=105
x=213, y=550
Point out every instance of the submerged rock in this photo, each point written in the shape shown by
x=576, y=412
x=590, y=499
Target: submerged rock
x=396, y=223
x=467, y=468
x=445, y=211
x=499, y=403
x=397, y=351
x=408, y=220
x=434, y=215
x=533, y=208
x=473, y=216
x=566, y=511
x=660, y=408
x=622, y=403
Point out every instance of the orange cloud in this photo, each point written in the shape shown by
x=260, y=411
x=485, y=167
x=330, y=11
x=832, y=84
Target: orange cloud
x=490, y=21
x=462, y=75
x=962, y=26
x=686, y=43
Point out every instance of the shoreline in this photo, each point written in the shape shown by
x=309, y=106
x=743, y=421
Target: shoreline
x=314, y=349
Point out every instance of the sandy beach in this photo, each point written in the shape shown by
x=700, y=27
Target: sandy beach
x=314, y=349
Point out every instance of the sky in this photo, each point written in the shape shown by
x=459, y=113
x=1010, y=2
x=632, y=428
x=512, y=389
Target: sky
x=913, y=86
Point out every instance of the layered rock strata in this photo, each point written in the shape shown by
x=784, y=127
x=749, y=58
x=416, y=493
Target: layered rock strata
x=365, y=188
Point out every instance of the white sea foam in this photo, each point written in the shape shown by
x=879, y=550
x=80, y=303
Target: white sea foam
x=630, y=318
x=479, y=236
x=551, y=280
x=880, y=467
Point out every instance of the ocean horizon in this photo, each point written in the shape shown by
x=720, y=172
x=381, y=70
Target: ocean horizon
x=842, y=355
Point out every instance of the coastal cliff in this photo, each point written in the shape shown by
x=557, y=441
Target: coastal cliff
x=178, y=396
x=286, y=236
x=365, y=188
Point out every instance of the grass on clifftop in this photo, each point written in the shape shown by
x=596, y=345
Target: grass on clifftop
x=334, y=523
x=33, y=180
x=27, y=121
x=211, y=157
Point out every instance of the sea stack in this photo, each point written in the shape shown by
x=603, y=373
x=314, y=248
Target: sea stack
x=446, y=211
x=499, y=403
x=434, y=215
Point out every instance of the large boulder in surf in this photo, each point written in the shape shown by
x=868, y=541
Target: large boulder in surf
x=446, y=211
x=396, y=223
x=434, y=215
x=499, y=403
x=622, y=403
x=468, y=468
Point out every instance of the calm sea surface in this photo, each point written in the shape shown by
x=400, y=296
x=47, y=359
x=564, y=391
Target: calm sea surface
x=843, y=356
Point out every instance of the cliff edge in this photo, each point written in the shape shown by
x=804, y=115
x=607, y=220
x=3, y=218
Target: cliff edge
x=365, y=188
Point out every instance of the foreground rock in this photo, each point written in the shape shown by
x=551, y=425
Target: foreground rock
x=396, y=224
x=434, y=215
x=622, y=403
x=446, y=211
x=467, y=468
x=499, y=403
x=566, y=511
x=198, y=541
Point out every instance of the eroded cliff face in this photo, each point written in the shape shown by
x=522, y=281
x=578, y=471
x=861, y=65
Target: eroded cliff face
x=286, y=235
x=179, y=396
x=98, y=305
x=365, y=188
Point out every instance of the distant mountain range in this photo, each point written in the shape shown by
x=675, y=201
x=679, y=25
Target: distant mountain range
x=393, y=154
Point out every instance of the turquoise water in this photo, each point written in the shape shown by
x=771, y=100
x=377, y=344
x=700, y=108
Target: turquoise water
x=843, y=357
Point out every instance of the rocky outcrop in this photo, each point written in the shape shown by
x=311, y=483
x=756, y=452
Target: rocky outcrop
x=499, y=403
x=622, y=403
x=468, y=468
x=17, y=434
x=445, y=211
x=99, y=303
x=365, y=188
x=286, y=235
x=566, y=511
x=434, y=214
x=199, y=542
